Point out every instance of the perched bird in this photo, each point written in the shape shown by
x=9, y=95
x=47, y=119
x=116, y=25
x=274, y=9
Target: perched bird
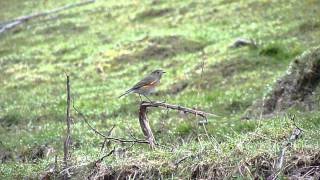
x=146, y=85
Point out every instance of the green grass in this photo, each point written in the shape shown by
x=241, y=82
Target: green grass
x=107, y=46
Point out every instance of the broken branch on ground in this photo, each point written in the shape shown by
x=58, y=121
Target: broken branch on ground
x=4, y=26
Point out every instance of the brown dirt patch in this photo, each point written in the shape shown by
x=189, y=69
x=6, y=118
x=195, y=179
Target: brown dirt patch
x=6, y=156
x=174, y=89
x=205, y=171
x=295, y=88
x=162, y=48
x=98, y=170
x=300, y=164
x=297, y=165
x=309, y=26
x=153, y=13
x=29, y=155
x=10, y=119
x=234, y=66
x=225, y=70
x=304, y=165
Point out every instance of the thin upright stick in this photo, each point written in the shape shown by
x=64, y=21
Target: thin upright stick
x=68, y=136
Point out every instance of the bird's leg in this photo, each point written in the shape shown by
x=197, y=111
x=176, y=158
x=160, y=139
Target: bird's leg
x=147, y=98
x=140, y=98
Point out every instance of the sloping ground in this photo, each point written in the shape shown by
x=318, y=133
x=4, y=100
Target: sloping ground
x=295, y=89
x=109, y=45
x=160, y=48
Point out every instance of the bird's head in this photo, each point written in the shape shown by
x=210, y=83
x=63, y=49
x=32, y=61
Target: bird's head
x=158, y=73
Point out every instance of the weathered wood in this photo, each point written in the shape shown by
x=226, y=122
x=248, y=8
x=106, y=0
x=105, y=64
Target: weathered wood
x=145, y=127
x=144, y=123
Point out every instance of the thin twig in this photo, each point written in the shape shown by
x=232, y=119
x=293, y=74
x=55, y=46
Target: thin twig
x=101, y=159
x=122, y=140
x=55, y=165
x=309, y=172
x=105, y=140
x=182, y=159
x=292, y=118
x=68, y=136
x=70, y=168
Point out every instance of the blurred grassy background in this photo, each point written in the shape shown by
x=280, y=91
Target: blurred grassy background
x=108, y=46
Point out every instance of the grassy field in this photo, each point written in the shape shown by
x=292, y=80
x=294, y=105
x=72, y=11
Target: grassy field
x=107, y=46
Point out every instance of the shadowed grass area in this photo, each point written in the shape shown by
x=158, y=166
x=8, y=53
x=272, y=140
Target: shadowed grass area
x=109, y=45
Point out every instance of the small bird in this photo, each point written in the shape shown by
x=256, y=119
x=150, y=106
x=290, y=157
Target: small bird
x=146, y=85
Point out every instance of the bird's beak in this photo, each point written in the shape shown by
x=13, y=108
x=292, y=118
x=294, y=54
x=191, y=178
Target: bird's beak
x=163, y=72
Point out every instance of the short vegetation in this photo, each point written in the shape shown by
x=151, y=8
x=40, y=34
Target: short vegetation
x=107, y=46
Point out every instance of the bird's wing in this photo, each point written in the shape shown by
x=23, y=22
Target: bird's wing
x=149, y=80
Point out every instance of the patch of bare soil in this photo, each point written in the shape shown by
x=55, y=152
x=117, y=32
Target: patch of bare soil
x=98, y=170
x=309, y=26
x=6, y=156
x=225, y=70
x=174, y=89
x=260, y=166
x=295, y=89
x=162, y=48
x=35, y=153
x=10, y=119
x=304, y=165
x=234, y=66
x=153, y=13
x=257, y=167
x=30, y=155
x=300, y=165
x=205, y=171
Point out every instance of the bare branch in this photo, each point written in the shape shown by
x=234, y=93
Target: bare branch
x=182, y=159
x=179, y=108
x=122, y=140
x=144, y=123
x=111, y=152
x=68, y=136
x=106, y=140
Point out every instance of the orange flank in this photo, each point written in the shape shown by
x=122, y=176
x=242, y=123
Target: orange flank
x=151, y=85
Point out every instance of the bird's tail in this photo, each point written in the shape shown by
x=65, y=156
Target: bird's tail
x=127, y=92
